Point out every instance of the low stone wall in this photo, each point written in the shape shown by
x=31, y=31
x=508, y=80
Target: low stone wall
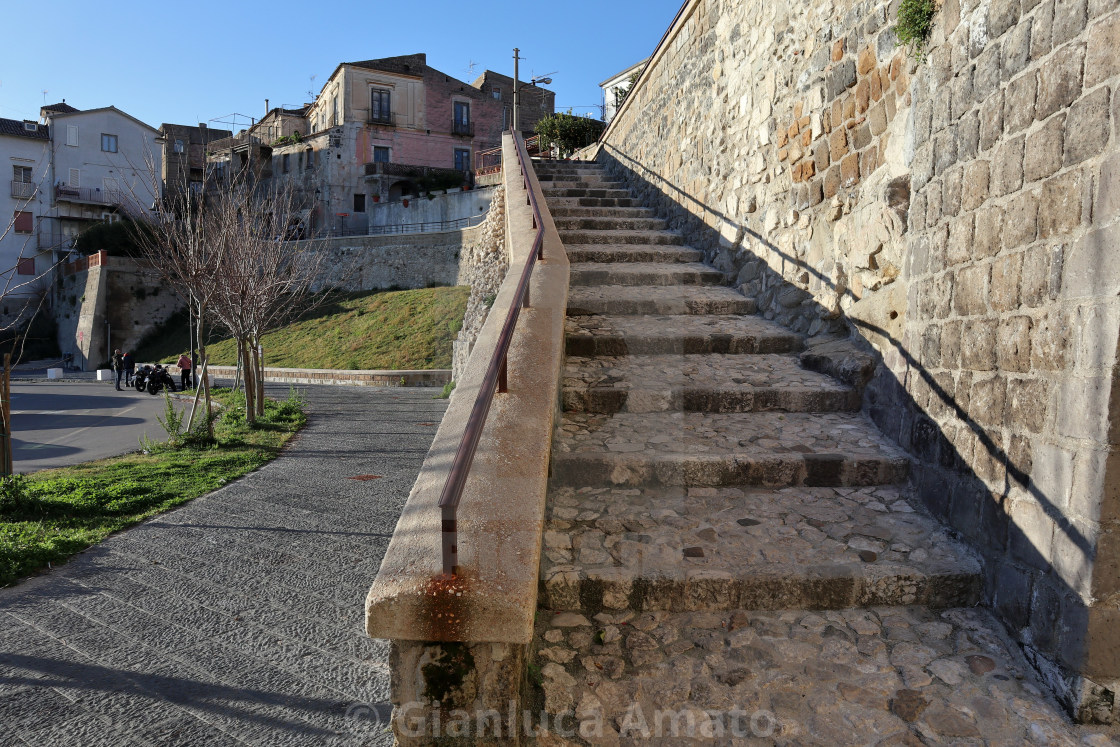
x=483, y=267
x=960, y=218
x=433, y=378
x=454, y=205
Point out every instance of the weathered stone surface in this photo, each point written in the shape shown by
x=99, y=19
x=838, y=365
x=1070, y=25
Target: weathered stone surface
x=1101, y=61
x=1087, y=127
x=1044, y=150
x=1059, y=81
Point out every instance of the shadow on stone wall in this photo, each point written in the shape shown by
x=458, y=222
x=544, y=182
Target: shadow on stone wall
x=1045, y=614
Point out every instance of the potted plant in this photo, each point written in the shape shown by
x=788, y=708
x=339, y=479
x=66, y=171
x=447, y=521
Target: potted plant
x=404, y=201
x=377, y=198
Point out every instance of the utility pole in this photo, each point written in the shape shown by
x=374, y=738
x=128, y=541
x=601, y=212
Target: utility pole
x=516, y=87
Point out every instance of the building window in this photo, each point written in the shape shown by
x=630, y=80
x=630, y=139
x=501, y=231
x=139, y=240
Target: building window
x=359, y=203
x=462, y=159
x=21, y=174
x=26, y=266
x=462, y=113
x=24, y=222
x=72, y=135
x=497, y=93
x=285, y=163
x=75, y=178
x=108, y=143
x=380, y=109
x=178, y=146
x=380, y=154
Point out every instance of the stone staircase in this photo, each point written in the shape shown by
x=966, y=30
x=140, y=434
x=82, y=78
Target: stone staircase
x=725, y=526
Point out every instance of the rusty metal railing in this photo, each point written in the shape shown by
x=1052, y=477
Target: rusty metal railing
x=495, y=379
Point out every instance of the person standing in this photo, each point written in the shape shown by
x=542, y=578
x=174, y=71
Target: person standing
x=129, y=368
x=184, y=372
x=118, y=366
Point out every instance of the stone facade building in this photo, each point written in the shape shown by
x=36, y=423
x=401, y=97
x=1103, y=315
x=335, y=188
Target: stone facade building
x=184, y=154
x=959, y=218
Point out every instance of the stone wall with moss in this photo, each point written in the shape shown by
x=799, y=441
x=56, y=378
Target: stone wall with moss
x=960, y=218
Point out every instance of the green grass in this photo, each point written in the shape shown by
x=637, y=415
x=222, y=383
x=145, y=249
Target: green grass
x=48, y=516
x=409, y=329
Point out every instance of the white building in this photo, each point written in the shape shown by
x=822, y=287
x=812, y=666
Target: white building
x=25, y=151
x=618, y=82
x=105, y=164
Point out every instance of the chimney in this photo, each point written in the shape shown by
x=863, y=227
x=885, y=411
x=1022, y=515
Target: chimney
x=266, y=107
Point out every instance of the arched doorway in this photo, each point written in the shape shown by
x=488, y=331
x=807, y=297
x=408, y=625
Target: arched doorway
x=402, y=189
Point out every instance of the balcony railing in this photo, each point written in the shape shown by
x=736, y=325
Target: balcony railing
x=23, y=190
x=381, y=118
x=94, y=195
x=462, y=128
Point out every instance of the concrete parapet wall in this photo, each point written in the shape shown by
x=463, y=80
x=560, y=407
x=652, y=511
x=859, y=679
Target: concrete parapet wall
x=490, y=603
x=958, y=217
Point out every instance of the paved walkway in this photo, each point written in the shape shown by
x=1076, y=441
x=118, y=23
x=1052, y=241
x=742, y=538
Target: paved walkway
x=237, y=619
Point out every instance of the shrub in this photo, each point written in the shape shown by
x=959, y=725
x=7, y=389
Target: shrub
x=915, y=19
x=569, y=132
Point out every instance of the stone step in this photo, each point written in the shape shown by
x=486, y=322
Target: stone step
x=581, y=184
x=691, y=549
x=700, y=449
x=606, y=202
x=665, y=300
x=644, y=274
x=700, y=383
x=544, y=167
x=585, y=192
x=870, y=676
x=565, y=211
x=675, y=334
x=608, y=223
x=631, y=253
x=584, y=236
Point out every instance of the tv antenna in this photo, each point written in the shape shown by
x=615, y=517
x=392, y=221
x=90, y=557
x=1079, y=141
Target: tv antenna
x=45, y=92
x=471, y=66
x=311, y=90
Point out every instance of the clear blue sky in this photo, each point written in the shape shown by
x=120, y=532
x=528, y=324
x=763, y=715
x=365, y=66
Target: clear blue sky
x=193, y=62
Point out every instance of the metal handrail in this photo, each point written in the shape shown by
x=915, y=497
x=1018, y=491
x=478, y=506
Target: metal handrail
x=495, y=379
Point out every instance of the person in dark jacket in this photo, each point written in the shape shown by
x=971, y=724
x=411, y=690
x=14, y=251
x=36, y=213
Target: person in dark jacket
x=129, y=368
x=118, y=366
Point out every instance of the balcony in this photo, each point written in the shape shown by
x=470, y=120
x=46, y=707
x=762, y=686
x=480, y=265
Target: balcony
x=381, y=118
x=23, y=190
x=462, y=128
x=88, y=195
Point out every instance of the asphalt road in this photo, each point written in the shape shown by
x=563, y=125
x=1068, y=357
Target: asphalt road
x=237, y=619
x=55, y=424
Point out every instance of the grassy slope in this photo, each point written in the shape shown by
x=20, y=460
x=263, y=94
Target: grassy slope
x=71, y=508
x=410, y=329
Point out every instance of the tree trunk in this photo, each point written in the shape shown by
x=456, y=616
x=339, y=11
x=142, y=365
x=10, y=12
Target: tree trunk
x=258, y=355
x=205, y=377
x=250, y=384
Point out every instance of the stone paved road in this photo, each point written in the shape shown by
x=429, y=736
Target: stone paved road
x=237, y=619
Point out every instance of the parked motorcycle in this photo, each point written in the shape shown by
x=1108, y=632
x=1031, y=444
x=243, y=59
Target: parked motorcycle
x=140, y=378
x=158, y=378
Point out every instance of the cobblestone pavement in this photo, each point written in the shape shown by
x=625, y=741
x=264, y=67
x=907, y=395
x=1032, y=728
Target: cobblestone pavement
x=236, y=619
x=874, y=676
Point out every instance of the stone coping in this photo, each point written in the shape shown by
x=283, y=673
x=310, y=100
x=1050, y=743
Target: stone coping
x=357, y=377
x=501, y=516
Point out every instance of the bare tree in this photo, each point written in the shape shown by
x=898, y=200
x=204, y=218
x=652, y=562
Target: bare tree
x=266, y=279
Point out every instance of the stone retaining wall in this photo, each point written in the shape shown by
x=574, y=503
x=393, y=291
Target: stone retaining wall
x=957, y=216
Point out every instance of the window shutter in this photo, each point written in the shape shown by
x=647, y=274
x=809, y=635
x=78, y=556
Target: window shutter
x=72, y=135
x=24, y=223
x=75, y=178
x=26, y=266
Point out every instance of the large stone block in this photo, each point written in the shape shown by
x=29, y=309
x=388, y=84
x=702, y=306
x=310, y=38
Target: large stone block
x=1014, y=351
x=1027, y=404
x=1107, y=205
x=1007, y=167
x=1102, y=60
x=1002, y=15
x=1044, y=151
x=1035, y=281
x=978, y=345
x=968, y=135
x=1018, y=102
x=1042, y=25
x=1050, y=345
x=986, y=78
x=841, y=78
x=1031, y=533
x=988, y=400
x=1069, y=19
x=991, y=121
x=1004, y=292
x=975, y=185
x=1059, y=80
x=1059, y=209
x=1016, y=50
x=987, y=236
x=1087, y=126
x=1082, y=408
x=970, y=290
